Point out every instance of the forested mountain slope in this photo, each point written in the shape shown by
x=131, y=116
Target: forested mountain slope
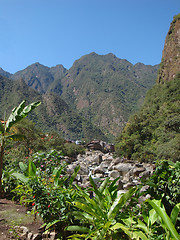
x=104, y=89
x=53, y=114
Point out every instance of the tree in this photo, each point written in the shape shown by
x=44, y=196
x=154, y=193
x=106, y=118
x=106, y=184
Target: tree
x=18, y=113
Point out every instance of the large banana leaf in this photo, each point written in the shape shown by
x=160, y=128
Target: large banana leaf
x=21, y=177
x=19, y=113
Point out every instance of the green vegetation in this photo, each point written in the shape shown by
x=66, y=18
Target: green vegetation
x=39, y=180
x=54, y=115
x=107, y=90
x=18, y=113
x=154, y=132
x=98, y=94
x=42, y=184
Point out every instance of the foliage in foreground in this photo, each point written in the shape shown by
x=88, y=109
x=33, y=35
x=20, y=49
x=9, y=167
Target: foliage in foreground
x=18, y=113
x=97, y=212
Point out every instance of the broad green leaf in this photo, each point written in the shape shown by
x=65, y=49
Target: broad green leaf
x=142, y=226
x=23, y=166
x=96, y=191
x=19, y=113
x=94, y=204
x=78, y=229
x=14, y=116
x=50, y=224
x=165, y=218
x=87, y=209
x=29, y=108
x=21, y=177
x=174, y=213
x=83, y=215
x=76, y=236
x=139, y=235
x=153, y=216
x=119, y=202
x=57, y=173
x=106, y=227
x=32, y=169
x=103, y=185
x=132, y=234
x=113, y=185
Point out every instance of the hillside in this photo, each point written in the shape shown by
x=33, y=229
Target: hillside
x=106, y=89
x=154, y=132
x=52, y=115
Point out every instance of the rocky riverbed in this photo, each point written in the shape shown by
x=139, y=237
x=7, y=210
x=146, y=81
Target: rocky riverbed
x=100, y=166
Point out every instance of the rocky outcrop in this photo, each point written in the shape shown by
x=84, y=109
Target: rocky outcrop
x=170, y=64
x=25, y=234
x=100, y=166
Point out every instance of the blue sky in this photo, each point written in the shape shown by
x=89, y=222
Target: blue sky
x=55, y=32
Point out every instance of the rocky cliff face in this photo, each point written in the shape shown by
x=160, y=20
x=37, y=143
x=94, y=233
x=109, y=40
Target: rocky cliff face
x=170, y=64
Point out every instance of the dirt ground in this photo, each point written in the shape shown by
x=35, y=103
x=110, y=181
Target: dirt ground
x=13, y=214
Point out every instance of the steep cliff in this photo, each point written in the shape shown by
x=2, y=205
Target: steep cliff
x=170, y=64
x=154, y=132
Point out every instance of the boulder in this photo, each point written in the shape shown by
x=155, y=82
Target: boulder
x=138, y=170
x=114, y=174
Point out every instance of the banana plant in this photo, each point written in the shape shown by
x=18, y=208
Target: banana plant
x=29, y=171
x=17, y=114
x=99, y=212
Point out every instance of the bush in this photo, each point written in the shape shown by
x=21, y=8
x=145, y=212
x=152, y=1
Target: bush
x=72, y=150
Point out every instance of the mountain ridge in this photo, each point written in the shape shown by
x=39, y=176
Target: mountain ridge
x=103, y=89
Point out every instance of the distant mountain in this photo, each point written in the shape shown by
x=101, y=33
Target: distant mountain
x=52, y=115
x=106, y=89
x=40, y=77
x=4, y=73
x=103, y=89
x=154, y=132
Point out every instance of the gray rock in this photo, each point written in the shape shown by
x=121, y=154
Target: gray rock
x=114, y=174
x=24, y=236
x=128, y=185
x=37, y=236
x=98, y=170
x=123, y=167
x=146, y=174
x=45, y=235
x=29, y=236
x=83, y=170
x=23, y=229
x=138, y=170
x=52, y=236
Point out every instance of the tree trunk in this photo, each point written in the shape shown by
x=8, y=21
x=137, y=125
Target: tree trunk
x=1, y=168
